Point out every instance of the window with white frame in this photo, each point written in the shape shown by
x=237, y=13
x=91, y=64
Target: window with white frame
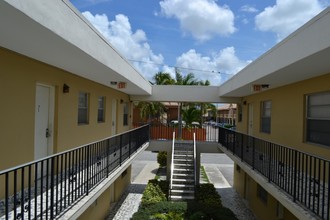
x=266, y=110
x=318, y=118
x=125, y=118
x=83, y=103
x=101, y=109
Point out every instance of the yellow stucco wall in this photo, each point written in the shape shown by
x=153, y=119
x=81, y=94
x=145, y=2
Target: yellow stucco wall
x=247, y=188
x=101, y=208
x=18, y=79
x=287, y=114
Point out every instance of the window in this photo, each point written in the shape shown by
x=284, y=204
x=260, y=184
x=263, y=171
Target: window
x=83, y=108
x=125, y=119
x=101, y=109
x=266, y=109
x=262, y=194
x=318, y=118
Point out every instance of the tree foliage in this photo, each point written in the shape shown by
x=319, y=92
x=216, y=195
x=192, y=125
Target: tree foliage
x=191, y=115
x=151, y=110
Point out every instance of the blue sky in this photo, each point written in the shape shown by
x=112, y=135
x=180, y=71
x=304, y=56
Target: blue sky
x=212, y=39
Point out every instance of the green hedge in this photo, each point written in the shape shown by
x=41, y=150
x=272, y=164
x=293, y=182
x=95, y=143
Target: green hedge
x=207, y=195
x=207, y=204
x=162, y=158
x=153, y=193
x=161, y=210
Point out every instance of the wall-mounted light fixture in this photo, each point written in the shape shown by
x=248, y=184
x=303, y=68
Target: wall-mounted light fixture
x=113, y=83
x=66, y=88
x=121, y=85
x=121, y=101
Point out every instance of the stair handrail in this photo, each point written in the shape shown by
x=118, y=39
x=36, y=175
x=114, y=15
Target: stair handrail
x=172, y=162
x=195, y=167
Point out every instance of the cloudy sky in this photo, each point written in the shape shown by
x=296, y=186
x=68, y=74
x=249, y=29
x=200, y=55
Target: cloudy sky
x=213, y=39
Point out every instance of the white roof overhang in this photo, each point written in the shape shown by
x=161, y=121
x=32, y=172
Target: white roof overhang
x=54, y=32
x=302, y=55
x=179, y=93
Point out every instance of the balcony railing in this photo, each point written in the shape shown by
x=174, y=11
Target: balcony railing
x=46, y=187
x=302, y=176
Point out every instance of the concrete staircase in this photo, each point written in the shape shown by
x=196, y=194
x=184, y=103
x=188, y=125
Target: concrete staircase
x=183, y=175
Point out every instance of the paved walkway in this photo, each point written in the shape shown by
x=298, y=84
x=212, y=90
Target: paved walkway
x=229, y=197
x=130, y=201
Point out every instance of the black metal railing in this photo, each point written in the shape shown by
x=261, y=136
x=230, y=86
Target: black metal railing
x=44, y=188
x=303, y=176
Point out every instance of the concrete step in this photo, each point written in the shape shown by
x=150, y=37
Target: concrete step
x=180, y=198
x=184, y=170
x=183, y=181
x=180, y=161
x=182, y=186
x=183, y=152
x=181, y=191
x=183, y=175
x=177, y=192
x=184, y=155
x=183, y=166
x=184, y=159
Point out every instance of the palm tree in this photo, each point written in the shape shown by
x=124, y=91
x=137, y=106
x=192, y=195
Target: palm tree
x=189, y=79
x=191, y=115
x=163, y=79
x=151, y=110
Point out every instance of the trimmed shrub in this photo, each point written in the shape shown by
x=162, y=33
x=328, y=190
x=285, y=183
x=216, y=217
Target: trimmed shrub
x=197, y=216
x=153, y=194
x=161, y=210
x=207, y=195
x=163, y=184
x=207, y=204
x=162, y=158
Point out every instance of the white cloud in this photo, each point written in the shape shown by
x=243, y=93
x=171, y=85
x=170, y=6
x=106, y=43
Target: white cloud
x=132, y=45
x=207, y=68
x=202, y=18
x=248, y=8
x=286, y=16
x=245, y=21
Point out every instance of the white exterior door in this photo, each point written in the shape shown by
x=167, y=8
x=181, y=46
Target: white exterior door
x=114, y=117
x=250, y=120
x=43, y=140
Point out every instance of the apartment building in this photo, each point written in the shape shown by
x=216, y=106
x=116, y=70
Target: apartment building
x=283, y=124
x=64, y=87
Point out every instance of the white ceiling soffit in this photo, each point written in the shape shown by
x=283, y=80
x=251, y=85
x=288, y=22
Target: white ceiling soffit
x=54, y=32
x=179, y=93
x=302, y=55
